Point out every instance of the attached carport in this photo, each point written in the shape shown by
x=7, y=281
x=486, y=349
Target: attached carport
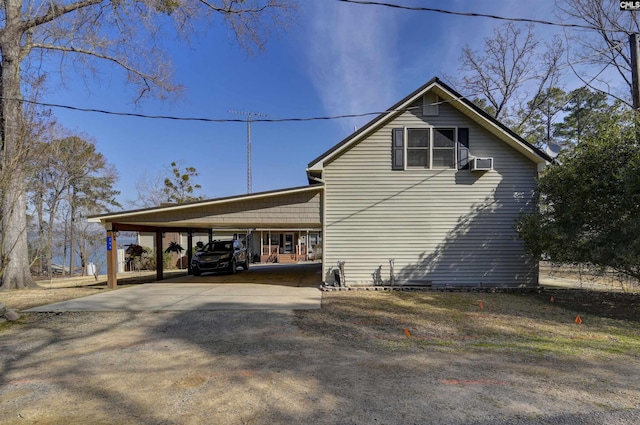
x=294, y=209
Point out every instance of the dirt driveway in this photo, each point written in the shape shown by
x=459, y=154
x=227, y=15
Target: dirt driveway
x=395, y=358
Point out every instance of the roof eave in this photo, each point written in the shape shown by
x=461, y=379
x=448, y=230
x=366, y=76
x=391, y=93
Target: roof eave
x=496, y=127
x=392, y=112
x=102, y=218
x=493, y=125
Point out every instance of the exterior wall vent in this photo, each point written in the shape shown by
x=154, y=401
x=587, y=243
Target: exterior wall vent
x=481, y=164
x=430, y=105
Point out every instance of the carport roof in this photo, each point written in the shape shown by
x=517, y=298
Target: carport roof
x=292, y=208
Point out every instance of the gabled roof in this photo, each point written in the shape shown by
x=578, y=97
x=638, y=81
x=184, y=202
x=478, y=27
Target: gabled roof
x=452, y=97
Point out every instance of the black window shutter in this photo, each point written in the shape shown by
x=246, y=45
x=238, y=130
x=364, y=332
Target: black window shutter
x=463, y=148
x=397, y=149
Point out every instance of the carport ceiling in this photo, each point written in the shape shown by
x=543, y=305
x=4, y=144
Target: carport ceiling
x=294, y=208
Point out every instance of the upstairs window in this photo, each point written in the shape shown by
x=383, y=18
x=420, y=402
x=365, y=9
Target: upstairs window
x=427, y=147
x=418, y=147
x=444, y=148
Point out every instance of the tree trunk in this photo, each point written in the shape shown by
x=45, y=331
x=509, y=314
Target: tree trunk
x=52, y=211
x=42, y=235
x=64, y=246
x=71, y=230
x=14, y=255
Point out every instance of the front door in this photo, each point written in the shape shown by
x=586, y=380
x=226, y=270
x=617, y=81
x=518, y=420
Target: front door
x=288, y=243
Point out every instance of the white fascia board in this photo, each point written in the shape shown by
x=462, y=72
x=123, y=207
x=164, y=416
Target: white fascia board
x=493, y=128
x=382, y=121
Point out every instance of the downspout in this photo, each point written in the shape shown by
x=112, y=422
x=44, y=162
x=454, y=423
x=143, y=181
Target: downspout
x=324, y=214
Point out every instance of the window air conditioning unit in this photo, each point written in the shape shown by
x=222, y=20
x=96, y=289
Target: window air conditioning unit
x=481, y=164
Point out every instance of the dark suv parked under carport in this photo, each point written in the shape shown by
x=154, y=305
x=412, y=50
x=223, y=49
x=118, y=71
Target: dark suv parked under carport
x=220, y=256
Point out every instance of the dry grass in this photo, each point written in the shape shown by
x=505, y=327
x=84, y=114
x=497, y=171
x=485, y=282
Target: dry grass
x=28, y=298
x=583, y=276
x=523, y=324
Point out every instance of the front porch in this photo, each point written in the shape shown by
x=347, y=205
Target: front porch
x=288, y=247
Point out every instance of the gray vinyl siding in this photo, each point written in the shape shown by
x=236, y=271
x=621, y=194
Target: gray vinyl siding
x=441, y=226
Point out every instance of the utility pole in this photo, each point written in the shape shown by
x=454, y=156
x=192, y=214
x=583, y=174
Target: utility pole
x=249, y=116
x=635, y=70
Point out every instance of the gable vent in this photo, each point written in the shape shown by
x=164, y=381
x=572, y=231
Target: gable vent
x=430, y=106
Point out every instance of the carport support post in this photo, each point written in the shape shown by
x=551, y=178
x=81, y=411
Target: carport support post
x=159, y=252
x=112, y=259
x=189, y=250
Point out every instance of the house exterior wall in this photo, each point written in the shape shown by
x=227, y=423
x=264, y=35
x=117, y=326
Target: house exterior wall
x=443, y=227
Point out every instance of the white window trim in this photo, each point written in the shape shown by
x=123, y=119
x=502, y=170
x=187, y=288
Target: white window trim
x=431, y=128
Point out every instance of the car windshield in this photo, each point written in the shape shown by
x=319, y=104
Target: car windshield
x=219, y=246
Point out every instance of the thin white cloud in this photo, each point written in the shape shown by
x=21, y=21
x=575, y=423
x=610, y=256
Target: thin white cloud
x=365, y=58
x=350, y=57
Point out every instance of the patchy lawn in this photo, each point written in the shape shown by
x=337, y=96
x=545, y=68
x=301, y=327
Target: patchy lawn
x=528, y=324
x=24, y=299
x=365, y=358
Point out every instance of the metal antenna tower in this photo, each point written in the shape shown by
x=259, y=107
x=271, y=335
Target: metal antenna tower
x=249, y=116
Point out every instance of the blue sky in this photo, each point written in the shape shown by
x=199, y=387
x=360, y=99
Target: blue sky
x=336, y=59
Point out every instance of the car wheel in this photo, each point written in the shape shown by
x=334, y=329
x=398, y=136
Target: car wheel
x=196, y=272
x=232, y=266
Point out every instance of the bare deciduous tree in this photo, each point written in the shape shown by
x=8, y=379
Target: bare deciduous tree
x=604, y=45
x=84, y=33
x=150, y=191
x=514, y=68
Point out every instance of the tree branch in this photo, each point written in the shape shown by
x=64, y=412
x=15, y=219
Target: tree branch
x=56, y=11
x=146, y=78
x=588, y=84
x=229, y=9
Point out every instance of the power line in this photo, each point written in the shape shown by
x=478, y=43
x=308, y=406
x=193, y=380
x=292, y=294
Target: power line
x=320, y=118
x=472, y=14
x=201, y=119
x=560, y=68
x=299, y=119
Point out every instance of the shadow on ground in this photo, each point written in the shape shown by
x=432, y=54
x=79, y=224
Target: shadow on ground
x=350, y=362
x=298, y=275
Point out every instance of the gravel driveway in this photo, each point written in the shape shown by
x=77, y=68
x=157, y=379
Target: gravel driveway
x=272, y=367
